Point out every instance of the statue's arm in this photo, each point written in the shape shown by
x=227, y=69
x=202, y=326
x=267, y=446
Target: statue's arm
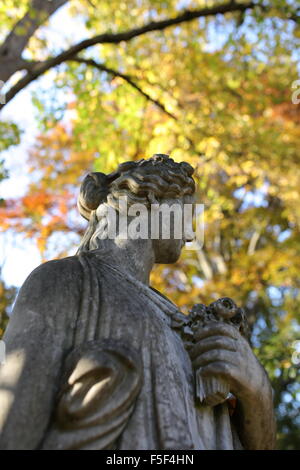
x=254, y=417
x=36, y=339
x=220, y=351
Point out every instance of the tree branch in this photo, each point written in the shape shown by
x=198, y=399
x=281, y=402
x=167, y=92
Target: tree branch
x=253, y=242
x=12, y=47
x=205, y=265
x=129, y=79
x=116, y=38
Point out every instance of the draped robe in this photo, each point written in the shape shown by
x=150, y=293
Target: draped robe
x=95, y=360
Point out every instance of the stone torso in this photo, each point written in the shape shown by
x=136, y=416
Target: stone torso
x=161, y=414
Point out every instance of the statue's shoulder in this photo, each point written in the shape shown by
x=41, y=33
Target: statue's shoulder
x=57, y=267
x=53, y=288
x=60, y=275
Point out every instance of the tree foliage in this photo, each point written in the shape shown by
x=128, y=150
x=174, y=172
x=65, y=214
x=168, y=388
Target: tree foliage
x=214, y=90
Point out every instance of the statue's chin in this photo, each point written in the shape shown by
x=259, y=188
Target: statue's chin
x=167, y=251
x=168, y=258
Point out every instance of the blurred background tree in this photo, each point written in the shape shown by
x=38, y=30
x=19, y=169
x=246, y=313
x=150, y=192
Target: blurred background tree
x=209, y=82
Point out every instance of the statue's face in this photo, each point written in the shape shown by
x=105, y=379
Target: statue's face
x=167, y=225
x=174, y=228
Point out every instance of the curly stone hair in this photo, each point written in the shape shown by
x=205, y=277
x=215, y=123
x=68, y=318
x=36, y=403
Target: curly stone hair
x=145, y=181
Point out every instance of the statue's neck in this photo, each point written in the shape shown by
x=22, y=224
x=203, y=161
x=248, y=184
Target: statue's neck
x=135, y=257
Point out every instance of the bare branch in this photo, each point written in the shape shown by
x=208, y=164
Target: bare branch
x=129, y=79
x=116, y=38
x=253, y=242
x=205, y=265
x=16, y=41
x=186, y=16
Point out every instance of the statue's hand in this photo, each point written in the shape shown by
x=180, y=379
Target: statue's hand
x=221, y=351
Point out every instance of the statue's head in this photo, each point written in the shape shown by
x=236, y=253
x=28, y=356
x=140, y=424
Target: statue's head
x=148, y=186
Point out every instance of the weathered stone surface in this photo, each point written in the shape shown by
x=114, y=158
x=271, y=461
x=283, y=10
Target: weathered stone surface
x=97, y=359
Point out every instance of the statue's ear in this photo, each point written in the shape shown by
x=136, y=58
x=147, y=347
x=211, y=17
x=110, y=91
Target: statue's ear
x=93, y=191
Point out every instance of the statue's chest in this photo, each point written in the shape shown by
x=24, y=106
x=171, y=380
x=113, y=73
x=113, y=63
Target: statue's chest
x=133, y=318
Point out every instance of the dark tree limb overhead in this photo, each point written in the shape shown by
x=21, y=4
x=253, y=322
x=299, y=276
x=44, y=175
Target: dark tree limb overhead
x=127, y=78
x=16, y=41
x=11, y=50
x=40, y=68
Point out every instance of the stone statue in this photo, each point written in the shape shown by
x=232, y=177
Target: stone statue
x=97, y=359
